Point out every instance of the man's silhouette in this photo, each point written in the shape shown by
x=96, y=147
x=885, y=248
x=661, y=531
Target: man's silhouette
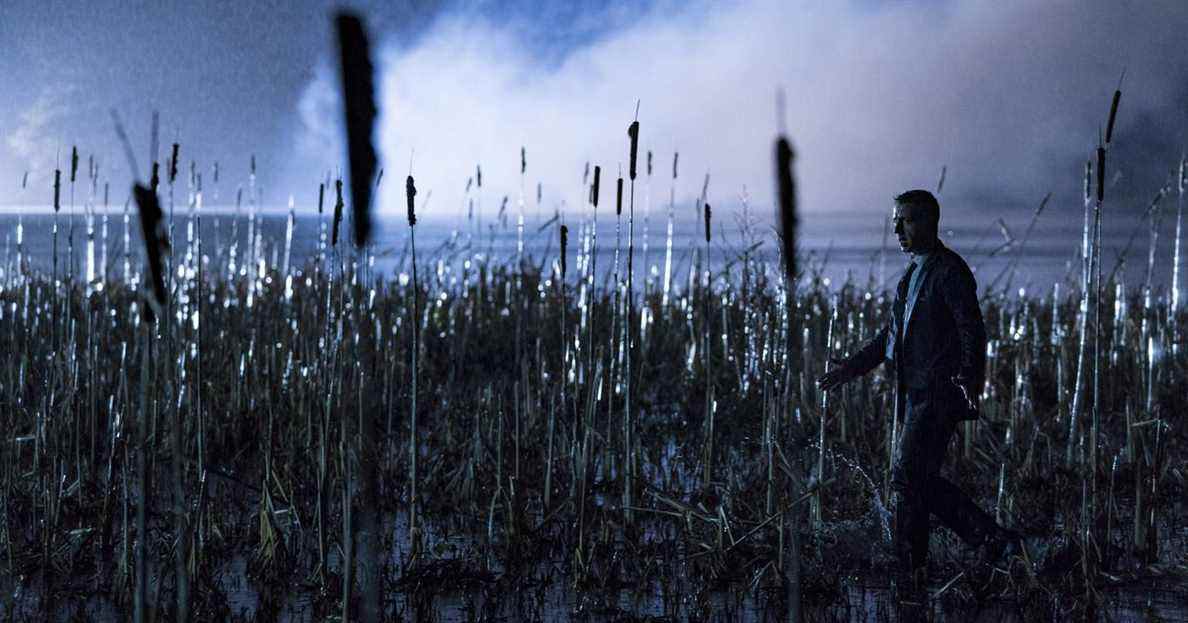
x=935, y=342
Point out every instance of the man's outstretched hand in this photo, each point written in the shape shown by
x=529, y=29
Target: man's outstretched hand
x=839, y=375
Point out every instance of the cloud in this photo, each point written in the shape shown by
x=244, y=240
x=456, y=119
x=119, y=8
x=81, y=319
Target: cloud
x=1009, y=95
x=34, y=138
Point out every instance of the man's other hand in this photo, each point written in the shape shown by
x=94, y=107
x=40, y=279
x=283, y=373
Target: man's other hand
x=839, y=375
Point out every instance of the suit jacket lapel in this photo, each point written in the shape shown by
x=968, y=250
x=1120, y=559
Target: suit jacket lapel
x=910, y=305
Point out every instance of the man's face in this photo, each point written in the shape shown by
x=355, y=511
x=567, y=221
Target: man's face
x=912, y=229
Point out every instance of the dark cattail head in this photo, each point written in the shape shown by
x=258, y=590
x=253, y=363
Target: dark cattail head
x=649, y=163
x=156, y=243
x=478, y=175
x=1088, y=178
x=523, y=160
x=91, y=167
x=469, y=183
x=155, y=178
x=105, y=189
x=216, y=172
x=173, y=164
x=379, y=177
x=786, y=193
x=564, y=247
x=633, y=133
x=358, y=92
x=538, y=193
x=57, y=190
x=337, y=213
x=675, y=157
x=321, y=196
x=193, y=173
x=1100, y=172
x=594, y=188
x=253, y=164
x=586, y=174
x=1113, y=114
x=707, y=222
x=73, y=163
x=619, y=197
x=25, y=180
x=410, y=192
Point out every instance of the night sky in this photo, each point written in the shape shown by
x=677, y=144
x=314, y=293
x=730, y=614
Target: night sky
x=1011, y=96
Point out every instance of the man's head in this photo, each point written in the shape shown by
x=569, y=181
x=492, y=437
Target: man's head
x=916, y=218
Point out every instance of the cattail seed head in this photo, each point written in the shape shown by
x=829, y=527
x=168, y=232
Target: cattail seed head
x=478, y=175
x=358, y=105
x=675, y=157
x=633, y=132
x=337, y=212
x=786, y=193
x=564, y=247
x=57, y=190
x=1100, y=173
x=155, y=179
x=1113, y=114
x=410, y=192
x=619, y=197
x=707, y=222
x=173, y=164
x=25, y=179
x=216, y=172
x=594, y=188
x=538, y=193
x=649, y=163
x=321, y=197
x=253, y=164
x=586, y=174
x=73, y=163
x=155, y=244
x=469, y=183
x=523, y=160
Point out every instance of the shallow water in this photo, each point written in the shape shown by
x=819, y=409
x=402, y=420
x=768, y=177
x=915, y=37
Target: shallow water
x=837, y=245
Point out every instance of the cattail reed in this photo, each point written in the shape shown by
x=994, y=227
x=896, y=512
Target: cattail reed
x=1177, y=258
x=630, y=463
x=410, y=192
x=668, y=242
x=786, y=194
x=707, y=350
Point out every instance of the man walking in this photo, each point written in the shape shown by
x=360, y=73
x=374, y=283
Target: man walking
x=936, y=343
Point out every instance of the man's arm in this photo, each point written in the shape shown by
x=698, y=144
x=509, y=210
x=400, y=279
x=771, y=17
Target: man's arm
x=866, y=359
x=960, y=294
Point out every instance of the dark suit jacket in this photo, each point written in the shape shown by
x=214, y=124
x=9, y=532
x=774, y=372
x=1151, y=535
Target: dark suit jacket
x=944, y=335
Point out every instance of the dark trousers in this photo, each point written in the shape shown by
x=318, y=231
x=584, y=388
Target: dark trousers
x=919, y=490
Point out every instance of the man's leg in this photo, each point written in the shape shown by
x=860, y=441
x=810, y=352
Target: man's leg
x=958, y=512
x=917, y=461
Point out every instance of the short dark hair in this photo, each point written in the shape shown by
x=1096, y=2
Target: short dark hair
x=923, y=200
